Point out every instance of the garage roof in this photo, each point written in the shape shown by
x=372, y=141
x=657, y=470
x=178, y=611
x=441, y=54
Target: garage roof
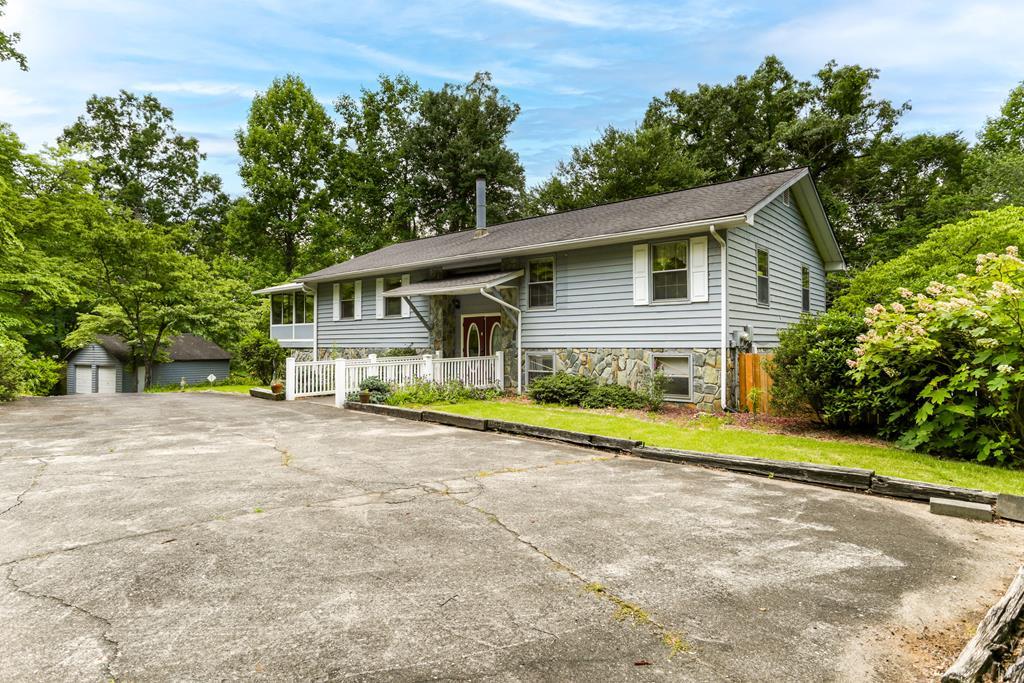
x=184, y=347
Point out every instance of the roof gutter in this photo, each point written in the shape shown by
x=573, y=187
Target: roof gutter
x=617, y=238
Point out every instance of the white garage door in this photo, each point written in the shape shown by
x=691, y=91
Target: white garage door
x=83, y=379
x=108, y=380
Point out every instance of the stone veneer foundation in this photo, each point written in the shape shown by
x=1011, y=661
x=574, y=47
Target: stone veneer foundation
x=629, y=366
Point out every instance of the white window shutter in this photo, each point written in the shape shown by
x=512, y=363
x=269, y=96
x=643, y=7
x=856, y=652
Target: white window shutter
x=337, y=301
x=358, y=304
x=405, y=303
x=641, y=290
x=698, y=269
x=380, y=297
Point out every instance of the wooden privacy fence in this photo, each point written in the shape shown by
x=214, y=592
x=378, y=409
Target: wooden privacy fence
x=755, y=383
x=342, y=376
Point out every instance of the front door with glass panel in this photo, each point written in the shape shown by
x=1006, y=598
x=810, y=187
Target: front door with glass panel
x=478, y=333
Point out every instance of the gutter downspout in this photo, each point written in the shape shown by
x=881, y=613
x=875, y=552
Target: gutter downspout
x=724, y=360
x=519, y=336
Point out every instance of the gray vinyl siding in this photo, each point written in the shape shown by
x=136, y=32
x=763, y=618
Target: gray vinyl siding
x=94, y=354
x=194, y=371
x=370, y=332
x=594, y=306
x=781, y=230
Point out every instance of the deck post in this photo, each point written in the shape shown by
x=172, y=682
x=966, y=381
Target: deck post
x=499, y=369
x=289, y=378
x=340, y=382
x=374, y=368
x=428, y=367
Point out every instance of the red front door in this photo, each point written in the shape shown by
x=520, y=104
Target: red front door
x=477, y=331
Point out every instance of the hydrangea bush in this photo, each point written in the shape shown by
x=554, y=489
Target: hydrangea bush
x=951, y=359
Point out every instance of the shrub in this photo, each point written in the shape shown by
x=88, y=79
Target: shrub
x=562, y=387
x=652, y=389
x=952, y=359
x=613, y=396
x=423, y=392
x=399, y=352
x=378, y=388
x=21, y=373
x=810, y=374
x=261, y=356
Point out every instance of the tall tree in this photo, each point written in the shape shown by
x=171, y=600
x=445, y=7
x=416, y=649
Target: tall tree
x=286, y=149
x=373, y=178
x=620, y=165
x=144, y=288
x=461, y=134
x=145, y=164
x=8, y=51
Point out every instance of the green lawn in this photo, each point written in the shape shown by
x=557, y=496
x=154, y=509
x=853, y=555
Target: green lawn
x=229, y=388
x=713, y=436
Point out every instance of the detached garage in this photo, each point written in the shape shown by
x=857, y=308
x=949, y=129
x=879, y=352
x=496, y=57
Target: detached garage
x=104, y=367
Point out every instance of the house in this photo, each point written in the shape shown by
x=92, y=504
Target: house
x=678, y=282
x=104, y=367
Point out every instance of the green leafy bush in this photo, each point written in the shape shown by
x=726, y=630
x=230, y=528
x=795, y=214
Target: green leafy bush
x=952, y=359
x=261, y=356
x=562, y=388
x=379, y=390
x=22, y=374
x=399, y=352
x=651, y=389
x=809, y=371
x=613, y=396
x=424, y=392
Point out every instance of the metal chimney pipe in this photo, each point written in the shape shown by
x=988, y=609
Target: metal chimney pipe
x=481, y=204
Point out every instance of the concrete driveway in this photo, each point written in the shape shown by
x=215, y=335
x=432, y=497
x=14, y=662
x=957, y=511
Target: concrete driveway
x=204, y=536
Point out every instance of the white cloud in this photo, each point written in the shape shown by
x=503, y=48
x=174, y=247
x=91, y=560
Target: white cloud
x=204, y=88
x=624, y=16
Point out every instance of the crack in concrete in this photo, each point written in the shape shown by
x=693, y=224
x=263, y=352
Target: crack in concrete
x=671, y=638
x=32, y=484
x=110, y=644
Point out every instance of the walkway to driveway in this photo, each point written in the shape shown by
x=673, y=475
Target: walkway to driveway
x=204, y=536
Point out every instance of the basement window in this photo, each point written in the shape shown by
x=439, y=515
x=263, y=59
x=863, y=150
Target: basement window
x=677, y=375
x=539, y=365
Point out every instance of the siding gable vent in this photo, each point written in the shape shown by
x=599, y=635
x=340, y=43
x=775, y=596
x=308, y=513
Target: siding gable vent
x=698, y=268
x=641, y=289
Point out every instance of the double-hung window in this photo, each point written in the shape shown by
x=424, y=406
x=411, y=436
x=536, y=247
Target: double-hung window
x=763, y=297
x=669, y=270
x=347, y=301
x=539, y=365
x=541, y=283
x=805, y=288
x=392, y=305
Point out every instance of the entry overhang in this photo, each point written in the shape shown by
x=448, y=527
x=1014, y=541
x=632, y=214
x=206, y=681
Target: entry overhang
x=464, y=284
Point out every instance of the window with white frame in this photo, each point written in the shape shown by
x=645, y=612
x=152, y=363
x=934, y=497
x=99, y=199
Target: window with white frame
x=281, y=309
x=347, y=300
x=676, y=370
x=669, y=270
x=303, y=308
x=539, y=365
x=541, y=283
x=763, y=296
x=392, y=305
x=805, y=288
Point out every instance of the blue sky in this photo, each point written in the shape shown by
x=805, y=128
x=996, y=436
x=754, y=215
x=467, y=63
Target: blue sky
x=573, y=66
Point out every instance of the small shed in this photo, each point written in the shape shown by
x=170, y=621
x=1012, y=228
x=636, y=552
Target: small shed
x=104, y=366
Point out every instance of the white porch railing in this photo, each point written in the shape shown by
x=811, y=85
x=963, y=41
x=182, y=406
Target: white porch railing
x=343, y=376
x=308, y=378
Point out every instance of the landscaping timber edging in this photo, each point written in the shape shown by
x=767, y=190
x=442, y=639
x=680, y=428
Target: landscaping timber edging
x=990, y=640
x=266, y=394
x=829, y=475
x=851, y=478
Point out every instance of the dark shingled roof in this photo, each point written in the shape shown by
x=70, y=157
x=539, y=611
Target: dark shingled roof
x=181, y=348
x=705, y=203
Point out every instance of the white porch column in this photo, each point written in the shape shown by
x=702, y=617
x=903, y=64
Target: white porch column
x=289, y=378
x=499, y=369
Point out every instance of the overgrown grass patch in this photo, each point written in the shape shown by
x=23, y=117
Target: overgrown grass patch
x=712, y=434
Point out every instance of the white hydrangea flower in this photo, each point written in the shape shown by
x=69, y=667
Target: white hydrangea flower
x=1005, y=369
